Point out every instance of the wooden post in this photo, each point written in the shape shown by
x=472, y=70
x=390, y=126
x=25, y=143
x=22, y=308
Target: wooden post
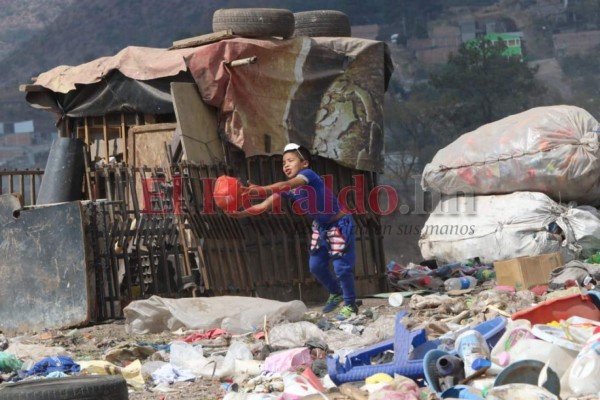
x=32, y=188
x=105, y=132
x=124, y=137
x=86, y=130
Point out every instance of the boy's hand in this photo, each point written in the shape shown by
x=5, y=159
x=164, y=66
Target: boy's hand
x=237, y=214
x=254, y=190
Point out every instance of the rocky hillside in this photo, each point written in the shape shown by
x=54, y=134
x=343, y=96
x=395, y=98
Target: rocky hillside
x=21, y=20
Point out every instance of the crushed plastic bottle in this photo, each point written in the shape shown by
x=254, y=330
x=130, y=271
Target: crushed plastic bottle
x=465, y=282
x=471, y=345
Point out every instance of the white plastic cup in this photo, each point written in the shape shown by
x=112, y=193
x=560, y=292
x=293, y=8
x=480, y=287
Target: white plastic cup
x=396, y=299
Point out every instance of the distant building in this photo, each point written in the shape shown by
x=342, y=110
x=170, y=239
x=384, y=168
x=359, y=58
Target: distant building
x=435, y=50
x=513, y=42
x=572, y=43
x=18, y=139
x=468, y=30
x=24, y=127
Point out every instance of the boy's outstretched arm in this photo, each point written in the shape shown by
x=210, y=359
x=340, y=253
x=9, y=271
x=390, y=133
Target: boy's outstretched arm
x=263, y=206
x=277, y=187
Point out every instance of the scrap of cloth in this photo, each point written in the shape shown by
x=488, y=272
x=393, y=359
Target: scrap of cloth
x=49, y=365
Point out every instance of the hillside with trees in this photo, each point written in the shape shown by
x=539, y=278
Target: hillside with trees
x=428, y=105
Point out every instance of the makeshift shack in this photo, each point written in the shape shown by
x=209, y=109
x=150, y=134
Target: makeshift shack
x=160, y=125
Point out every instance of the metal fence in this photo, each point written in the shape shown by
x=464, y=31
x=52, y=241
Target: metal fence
x=156, y=231
x=25, y=182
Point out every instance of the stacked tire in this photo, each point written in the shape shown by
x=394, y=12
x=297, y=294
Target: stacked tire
x=321, y=23
x=275, y=22
x=255, y=22
x=82, y=387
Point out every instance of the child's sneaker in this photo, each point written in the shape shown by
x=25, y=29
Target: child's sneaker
x=346, y=312
x=332, y=302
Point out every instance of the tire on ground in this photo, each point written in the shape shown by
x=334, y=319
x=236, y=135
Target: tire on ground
x=71, y=388
x=255, y=22
x=322, y=23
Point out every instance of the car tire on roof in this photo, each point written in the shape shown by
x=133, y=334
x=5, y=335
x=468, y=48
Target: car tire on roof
x=71, y=388
x=317, y=23
x=255, y=22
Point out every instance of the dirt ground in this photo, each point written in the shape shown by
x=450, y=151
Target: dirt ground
x=92, y=342
x=435, y=313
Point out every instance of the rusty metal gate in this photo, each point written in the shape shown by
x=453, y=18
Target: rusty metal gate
x=157, y=231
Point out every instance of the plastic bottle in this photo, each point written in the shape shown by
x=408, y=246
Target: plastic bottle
x=450, y=366
x=583, y=377
x=514, y=331
x=471, y=345
x=417, y=281
x=464, y=282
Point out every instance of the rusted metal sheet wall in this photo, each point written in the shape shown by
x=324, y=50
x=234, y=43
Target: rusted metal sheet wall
x=46, y=282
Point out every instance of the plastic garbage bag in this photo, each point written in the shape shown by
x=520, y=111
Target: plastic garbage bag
x=553, y=150
x=508, y=226
x=9, y=362
x=235, y=314
x=186, y=357
x=132, y=372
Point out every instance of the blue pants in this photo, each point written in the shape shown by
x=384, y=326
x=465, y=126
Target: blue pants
x=334, y=242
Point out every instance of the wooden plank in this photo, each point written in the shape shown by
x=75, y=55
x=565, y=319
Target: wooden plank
x=124, y=136
x=105, y=136
x=198, y=125
x=202, y=39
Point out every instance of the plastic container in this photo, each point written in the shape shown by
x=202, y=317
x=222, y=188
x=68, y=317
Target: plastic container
x=492, y=330
x=583, y=377
x=462, y=392
x=471, y=345
x=515, y=331
x=556, y=336
x=465, y=282
x=558, y=358
x=449, y=365
x=396, y=299
x=228, y=193
x=528, y=371
x=560, y=309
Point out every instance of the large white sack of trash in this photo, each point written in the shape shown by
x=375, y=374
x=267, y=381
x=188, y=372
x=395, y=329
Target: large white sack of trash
x=508, y=226
x=235, y=314
x=553, y=150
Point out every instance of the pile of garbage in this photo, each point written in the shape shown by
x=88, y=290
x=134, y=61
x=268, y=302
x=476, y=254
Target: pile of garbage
x=485, y=341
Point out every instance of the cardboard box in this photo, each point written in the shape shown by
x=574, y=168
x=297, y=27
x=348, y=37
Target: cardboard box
x=526, y=272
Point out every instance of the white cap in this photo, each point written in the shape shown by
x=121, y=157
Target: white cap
x=290, y=147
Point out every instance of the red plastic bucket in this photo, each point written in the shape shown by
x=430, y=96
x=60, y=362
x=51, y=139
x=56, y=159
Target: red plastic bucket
x=228, y=193
x=560, y=309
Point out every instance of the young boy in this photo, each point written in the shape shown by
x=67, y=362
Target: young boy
x=332, y=229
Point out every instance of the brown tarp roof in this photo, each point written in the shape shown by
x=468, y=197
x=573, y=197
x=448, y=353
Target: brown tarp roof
x=324, y=93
